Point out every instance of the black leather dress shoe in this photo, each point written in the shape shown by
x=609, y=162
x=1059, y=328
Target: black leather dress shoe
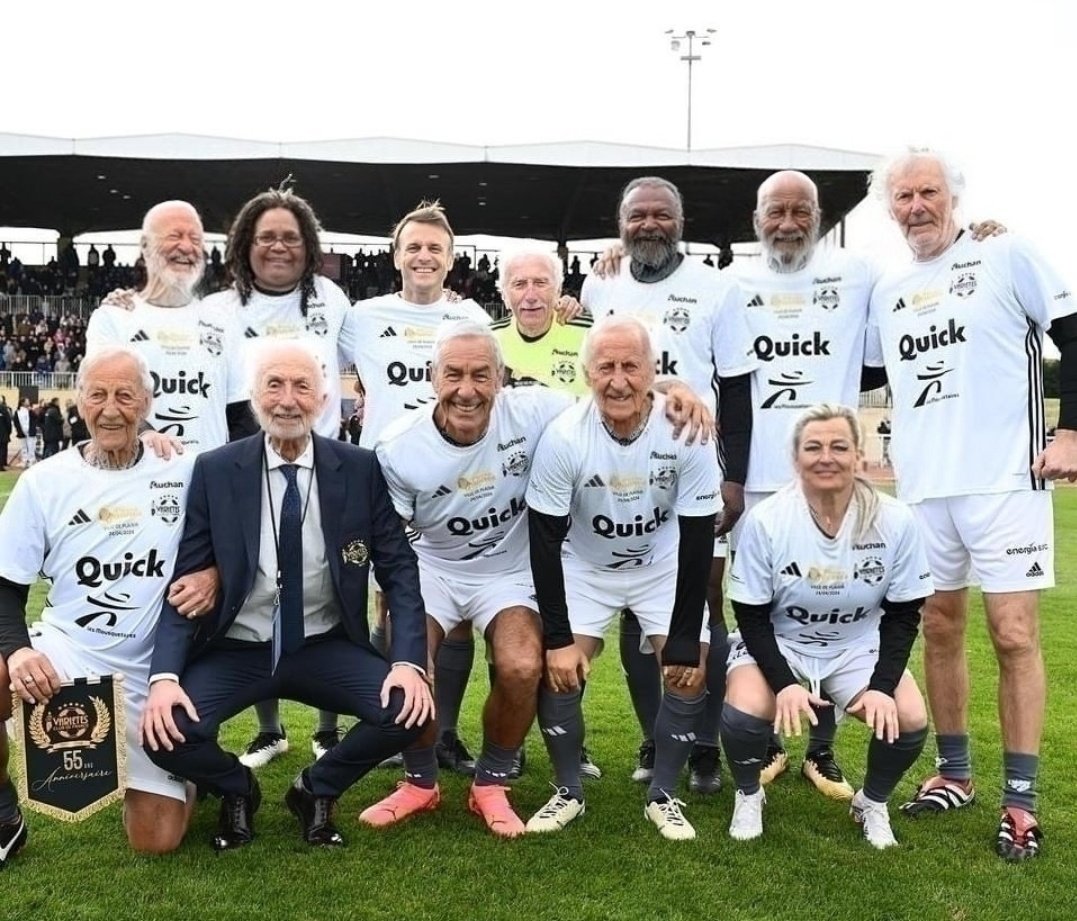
x=235, y=824
x=315, y=814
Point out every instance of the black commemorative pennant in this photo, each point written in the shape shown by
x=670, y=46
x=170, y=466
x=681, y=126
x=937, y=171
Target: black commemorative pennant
x=74, y=749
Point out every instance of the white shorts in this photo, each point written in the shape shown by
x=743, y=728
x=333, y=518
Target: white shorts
x=840, y=677
x=451, y=600
x=1003, y=541
x=72, y=662
x=596, y=596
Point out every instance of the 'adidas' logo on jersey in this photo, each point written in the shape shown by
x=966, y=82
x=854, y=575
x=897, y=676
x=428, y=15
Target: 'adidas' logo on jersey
x=900, y=305
x=596, y=480
x=756, y=301
x=388, y=333
x=250, y=333
x=140, y=336
x=442, y=491
x=1034, y=571
x=80, y=517
x=791, y=570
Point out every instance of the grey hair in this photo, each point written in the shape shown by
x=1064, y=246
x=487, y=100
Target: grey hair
x=511, y=256
x=451, y=330
x=881, y=178
x=108, y=353
x=865, y=496
x=263, y=353
x=658, y=182
x=612, y=323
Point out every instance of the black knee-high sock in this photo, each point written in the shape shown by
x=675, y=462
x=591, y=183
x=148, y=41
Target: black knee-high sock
x=673, y=733
x=452, y=668
x=888, y=761
x=711, y=718
x=744, y=738
x=642, y=674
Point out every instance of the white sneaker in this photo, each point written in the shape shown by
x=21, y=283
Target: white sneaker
x=875, y=820
x=669, y=820
x=263, y=748
x=557, y=813
x=747, y=822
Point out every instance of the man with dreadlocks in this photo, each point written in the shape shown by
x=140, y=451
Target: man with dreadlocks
x=273, y=256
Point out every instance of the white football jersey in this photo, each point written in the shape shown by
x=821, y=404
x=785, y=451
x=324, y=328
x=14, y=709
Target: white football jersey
x=695, y=318
x=270, y=316
x=105, y=539
x=623, y=499
x=962, y=340
x=808, y=331
x=826, y=593
x=390, y=341
x=191, y=352
x=467, y=503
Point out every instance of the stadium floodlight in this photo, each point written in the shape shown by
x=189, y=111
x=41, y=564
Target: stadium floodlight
x=691, y=36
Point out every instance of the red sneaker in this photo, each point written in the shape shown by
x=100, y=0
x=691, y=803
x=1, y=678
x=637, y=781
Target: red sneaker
x=405, y=801
x=493, y=805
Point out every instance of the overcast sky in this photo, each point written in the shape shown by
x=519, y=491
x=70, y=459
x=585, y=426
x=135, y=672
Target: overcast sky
x=991, y=83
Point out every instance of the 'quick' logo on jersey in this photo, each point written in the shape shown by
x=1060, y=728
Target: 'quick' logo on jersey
x=91, y=571
x=909, y=347
x=608, y=528
x=463, y=527
x=768, y=349
x=400, y=375
x=833, y=616
x=181, y=383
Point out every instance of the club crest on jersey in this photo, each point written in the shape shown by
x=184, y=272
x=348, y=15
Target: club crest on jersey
x=167, y=508
x=827, y=298
x=870, y=570
x=515, y=464
x=210, y=340
x=677, y=319
x=316, y=323
x=355, y=553
x=964, y=285
x=664, y=477
x=564, y=371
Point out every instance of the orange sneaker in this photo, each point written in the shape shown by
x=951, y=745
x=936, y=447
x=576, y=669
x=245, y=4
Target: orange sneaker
x=493, y=805
x=405, y=801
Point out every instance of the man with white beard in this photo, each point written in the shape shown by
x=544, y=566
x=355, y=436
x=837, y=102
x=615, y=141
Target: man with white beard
x=199, y=395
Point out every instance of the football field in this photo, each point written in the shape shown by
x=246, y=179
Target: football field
x=611, y=864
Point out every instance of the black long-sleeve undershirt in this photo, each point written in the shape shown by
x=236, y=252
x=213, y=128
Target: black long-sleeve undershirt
x=735, y=425
x=13, y=630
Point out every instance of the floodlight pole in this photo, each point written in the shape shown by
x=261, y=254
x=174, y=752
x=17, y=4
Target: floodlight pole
x=675, y=44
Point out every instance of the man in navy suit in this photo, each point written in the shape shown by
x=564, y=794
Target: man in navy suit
x=290, y=620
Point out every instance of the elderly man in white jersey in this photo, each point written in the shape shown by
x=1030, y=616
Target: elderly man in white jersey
x=199, y=391
x=458, y=472
x=390, y=341
x=960, y=331
x=696, y=320
x=807, y=308
x=637, y=508
x=79, y=515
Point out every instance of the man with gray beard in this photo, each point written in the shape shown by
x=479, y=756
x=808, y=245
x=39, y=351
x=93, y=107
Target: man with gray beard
x=807, y=310
x=198, y=391
x=696, y=319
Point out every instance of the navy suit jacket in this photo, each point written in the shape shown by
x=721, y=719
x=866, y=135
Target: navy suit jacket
x=223, y=526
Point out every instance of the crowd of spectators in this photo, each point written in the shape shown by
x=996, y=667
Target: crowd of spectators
x=364, y=275
x=33, y=342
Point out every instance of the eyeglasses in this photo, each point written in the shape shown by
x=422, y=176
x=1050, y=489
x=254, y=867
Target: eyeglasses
x=290, y=240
